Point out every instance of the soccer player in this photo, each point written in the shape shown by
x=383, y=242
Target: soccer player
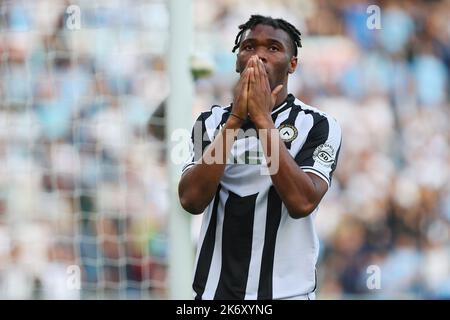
x=257, y=239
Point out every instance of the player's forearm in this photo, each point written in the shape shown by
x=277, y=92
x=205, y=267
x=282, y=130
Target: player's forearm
x=294, y=186
x=198, y=185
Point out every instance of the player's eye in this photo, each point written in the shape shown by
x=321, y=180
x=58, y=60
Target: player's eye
x=248, y=47
x=274, y=48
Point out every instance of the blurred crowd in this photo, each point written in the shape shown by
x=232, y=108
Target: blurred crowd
x=83, y=177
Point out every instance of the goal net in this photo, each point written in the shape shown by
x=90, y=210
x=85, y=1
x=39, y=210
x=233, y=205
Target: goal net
x=83, y=183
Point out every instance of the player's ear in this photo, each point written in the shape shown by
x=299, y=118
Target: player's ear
x=292, y=64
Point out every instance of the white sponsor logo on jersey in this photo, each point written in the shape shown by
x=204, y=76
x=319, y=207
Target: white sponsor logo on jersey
x=324, y=154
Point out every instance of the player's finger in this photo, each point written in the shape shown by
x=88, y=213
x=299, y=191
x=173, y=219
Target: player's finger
x=246, y=85
x=241, y=100
x=249, y=62
x=263, y=72
x=263, y=69
x=245, y=80
x=257, y=71
x=252, y=76
x=241, y=80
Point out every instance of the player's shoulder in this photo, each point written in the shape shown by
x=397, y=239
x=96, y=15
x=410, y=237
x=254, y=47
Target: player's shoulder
x=215, y=116
x=215, y=110
x=320, y=114
x=308, y=108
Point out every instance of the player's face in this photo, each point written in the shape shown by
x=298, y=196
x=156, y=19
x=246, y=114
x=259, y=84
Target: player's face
x=274, y=47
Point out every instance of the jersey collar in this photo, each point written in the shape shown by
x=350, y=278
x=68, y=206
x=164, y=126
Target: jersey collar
x=284, y=105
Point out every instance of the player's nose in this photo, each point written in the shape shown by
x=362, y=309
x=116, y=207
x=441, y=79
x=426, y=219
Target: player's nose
x=261, y=55
x=260, y=52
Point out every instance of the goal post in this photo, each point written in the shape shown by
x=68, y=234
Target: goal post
x=178, y=116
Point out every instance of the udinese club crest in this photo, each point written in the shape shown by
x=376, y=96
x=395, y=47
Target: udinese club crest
x=288, y=132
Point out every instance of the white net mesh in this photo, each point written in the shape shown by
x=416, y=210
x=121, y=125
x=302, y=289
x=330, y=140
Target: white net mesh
x=83, y=198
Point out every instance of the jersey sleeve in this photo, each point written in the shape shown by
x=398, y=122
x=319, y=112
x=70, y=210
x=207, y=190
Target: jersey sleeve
x=197, y=144
x=320, y=152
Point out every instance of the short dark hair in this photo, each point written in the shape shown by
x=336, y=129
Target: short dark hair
x=254, y=20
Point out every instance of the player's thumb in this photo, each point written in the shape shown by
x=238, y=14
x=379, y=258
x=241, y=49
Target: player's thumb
x=275, y=92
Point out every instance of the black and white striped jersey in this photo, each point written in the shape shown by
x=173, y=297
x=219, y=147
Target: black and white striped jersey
x=249, y=246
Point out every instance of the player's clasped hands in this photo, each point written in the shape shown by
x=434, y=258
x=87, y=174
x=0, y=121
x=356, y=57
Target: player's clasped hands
x=259, y=95
x=253, y=95
x=240, y=102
